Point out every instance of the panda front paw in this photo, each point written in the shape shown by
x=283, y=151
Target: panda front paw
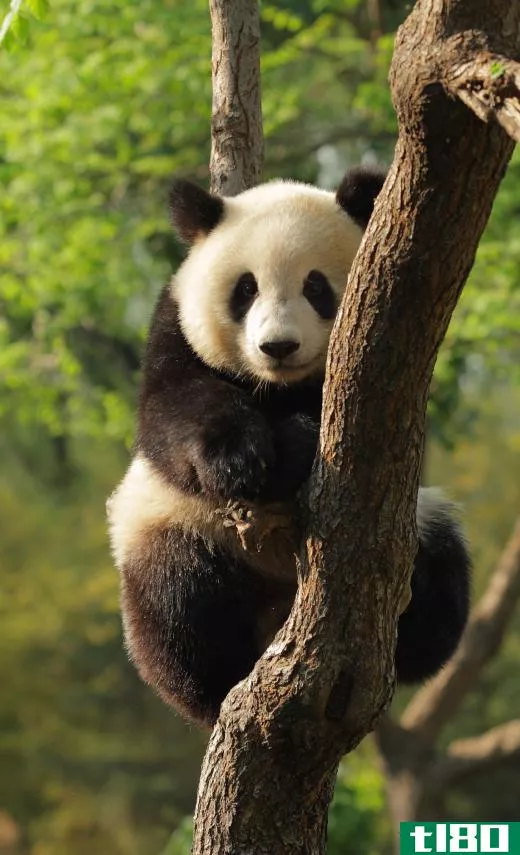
x=235, y=460
x=296, y=444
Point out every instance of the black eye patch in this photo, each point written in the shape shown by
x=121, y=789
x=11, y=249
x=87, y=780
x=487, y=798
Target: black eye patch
x=243, y=296
x=317, y=290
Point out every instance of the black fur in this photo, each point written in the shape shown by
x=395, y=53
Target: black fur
x=191, y=614
x=358, y=191
x=243, y=296
x=193, y=211
x=431, y=627
x=318, y=291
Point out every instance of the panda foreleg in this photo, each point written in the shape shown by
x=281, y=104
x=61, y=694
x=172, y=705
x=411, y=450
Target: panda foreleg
x=207, y=437
x=190, y=615
x=431, y=627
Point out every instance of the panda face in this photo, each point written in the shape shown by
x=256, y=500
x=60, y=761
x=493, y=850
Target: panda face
x=284, y=322
x=258, y=294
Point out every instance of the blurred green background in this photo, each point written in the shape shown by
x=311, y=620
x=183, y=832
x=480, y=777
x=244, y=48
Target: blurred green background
x=101, y=101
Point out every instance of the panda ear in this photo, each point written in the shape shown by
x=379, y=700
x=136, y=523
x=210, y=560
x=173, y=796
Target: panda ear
x=194, y=212
x=358, y=191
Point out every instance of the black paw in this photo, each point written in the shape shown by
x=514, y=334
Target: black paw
x=235, y=460
x=296, y=444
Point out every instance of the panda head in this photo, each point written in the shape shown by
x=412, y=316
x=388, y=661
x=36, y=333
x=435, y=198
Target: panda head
x=260, y=287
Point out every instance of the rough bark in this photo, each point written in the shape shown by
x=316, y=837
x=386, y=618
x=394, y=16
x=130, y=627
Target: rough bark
x=417, y=772
x=490, y=86
x=236, y=121
x=325, y=681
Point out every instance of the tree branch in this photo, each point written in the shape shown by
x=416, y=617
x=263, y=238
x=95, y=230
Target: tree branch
x=435, y=704
x=236, y=122
x=470, y=756
x=496, y=744
x=489, y=84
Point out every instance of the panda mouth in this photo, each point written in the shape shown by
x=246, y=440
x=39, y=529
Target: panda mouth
x=285, y=365
x=285, y=370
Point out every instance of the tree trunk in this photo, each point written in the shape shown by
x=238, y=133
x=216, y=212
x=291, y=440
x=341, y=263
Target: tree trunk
x=407, y=762
x=328, y=676
x=237, y=152
x=409, y=802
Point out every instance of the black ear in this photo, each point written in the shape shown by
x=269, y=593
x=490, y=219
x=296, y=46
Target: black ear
x=358, y=191
x=194, y=212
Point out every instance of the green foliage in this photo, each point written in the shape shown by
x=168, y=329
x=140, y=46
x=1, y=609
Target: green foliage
x=89, y=138
x=497, y=70
x=357, y=819
x=180, y=841
x=15, y=28
x=483, y=341
x=90, y=760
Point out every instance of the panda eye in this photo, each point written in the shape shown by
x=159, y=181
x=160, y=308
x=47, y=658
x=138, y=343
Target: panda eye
x=247, y=285
x=317, y=290
x=315, y=284
x=243, y=295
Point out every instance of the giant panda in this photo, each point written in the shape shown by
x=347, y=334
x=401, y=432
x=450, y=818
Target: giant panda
x=229, y=415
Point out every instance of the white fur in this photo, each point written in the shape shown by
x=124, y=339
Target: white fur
x=145, y=501
x=278, y=231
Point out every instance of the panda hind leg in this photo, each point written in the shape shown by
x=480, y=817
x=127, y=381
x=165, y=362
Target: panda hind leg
x=190, y=616
x=431, y=627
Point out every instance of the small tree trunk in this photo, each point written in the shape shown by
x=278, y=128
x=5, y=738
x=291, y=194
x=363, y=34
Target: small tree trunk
x=237, y=153
x=409, y=802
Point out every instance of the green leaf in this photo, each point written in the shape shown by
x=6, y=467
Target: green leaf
x=38, y=8
x=9, y=42
x=497, y=70
x=20, y=28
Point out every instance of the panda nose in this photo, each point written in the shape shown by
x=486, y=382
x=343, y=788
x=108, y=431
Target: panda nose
x=279, y=349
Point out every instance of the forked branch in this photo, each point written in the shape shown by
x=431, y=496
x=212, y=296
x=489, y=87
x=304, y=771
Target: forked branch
x=489, y=84
x=497, y=744
x=418, y=773
x=470, y=756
